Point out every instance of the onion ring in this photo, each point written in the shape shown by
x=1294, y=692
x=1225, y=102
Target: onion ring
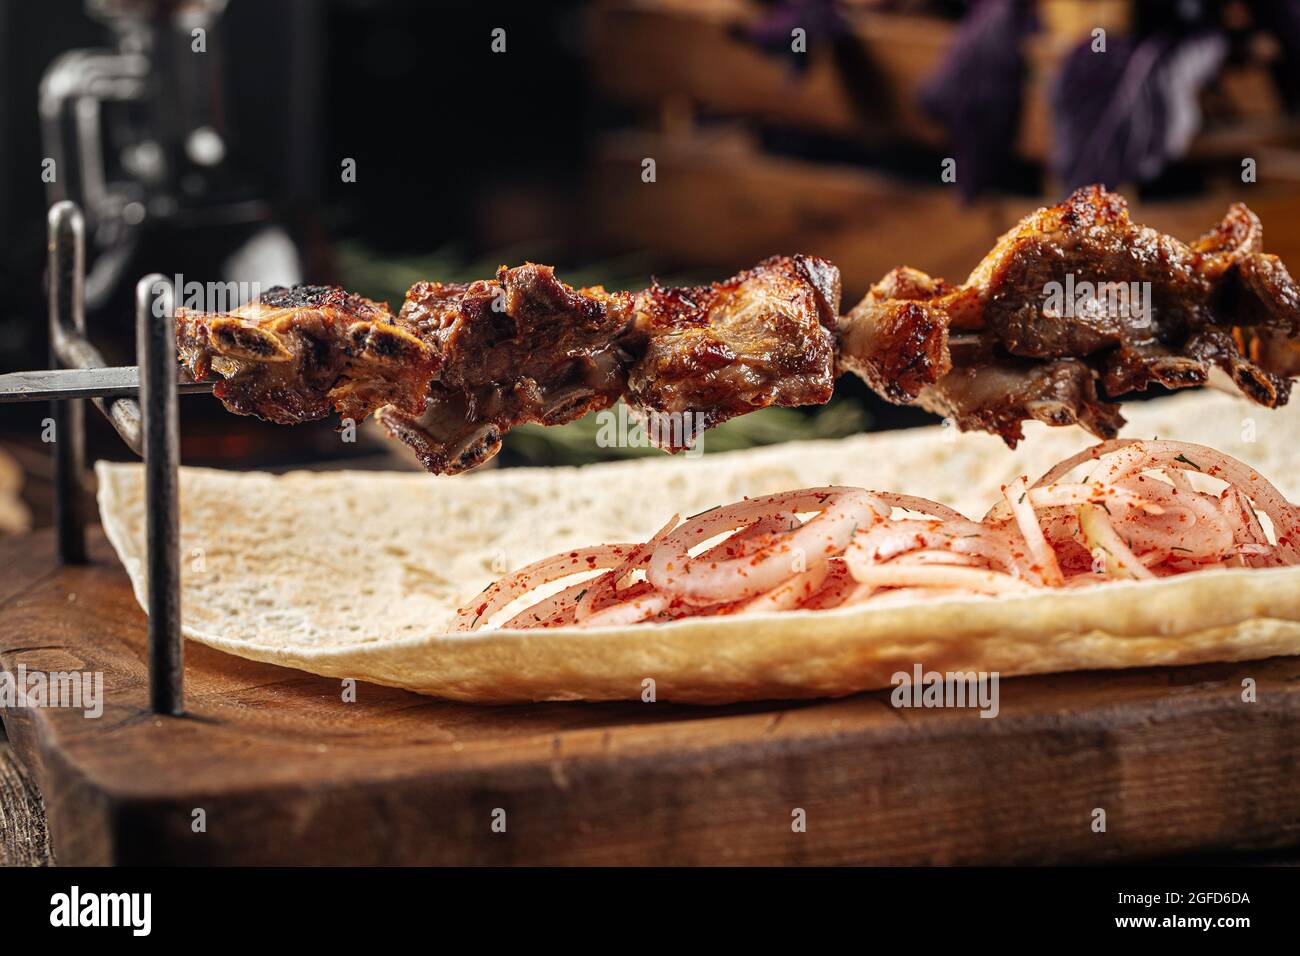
x=555, y=568
x=706, y=580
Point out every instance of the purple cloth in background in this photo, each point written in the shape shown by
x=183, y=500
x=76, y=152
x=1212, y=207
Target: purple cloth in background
x=1121, y=116
x=975, y=94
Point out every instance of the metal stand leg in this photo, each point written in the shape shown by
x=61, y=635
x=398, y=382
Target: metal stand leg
x=153, y=432
x=67, y=267
x=156, y=355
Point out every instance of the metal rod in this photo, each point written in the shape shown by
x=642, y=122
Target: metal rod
x=68, y=343
x=122, y=413
x=156, y=355
x=73, y=383
x=67, y=265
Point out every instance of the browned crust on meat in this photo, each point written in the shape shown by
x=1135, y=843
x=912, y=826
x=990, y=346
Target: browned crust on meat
x=298, y=354
x=706, y=354
x=896, y=338
x=1218, y=301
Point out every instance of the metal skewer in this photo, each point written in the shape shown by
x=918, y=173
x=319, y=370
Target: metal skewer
x=72, y=383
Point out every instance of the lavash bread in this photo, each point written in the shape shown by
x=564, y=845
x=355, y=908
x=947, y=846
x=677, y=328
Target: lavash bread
x=356, y=574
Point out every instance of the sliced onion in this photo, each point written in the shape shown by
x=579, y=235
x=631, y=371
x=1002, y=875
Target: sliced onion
x=555, y=611
x=891, y=539
x=919, y=505
x=1058, y=495
x=839, y=584
x=1017, y=497
x=1063, y=468
x=896, y=596
x=644, y=605
x=706, y=580
x=555, y=568
x=1187, y=456
x=1249, y=530
x=604, y=589
x=894, y=574
x=1138, y=512
x=789, y=594
x=939, y=556
x=1099, y=536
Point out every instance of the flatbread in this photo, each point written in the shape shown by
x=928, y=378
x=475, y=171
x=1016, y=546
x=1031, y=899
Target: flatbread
x=357, y=574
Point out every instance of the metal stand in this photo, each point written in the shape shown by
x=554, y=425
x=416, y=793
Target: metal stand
x=67, y=269
x=155, y=338
x=155, y=435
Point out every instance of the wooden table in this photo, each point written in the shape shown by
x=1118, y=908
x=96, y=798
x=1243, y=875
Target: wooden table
x=24, y=838
x=283, y=771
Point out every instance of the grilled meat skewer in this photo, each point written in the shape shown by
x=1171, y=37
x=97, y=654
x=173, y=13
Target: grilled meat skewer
x=460, y=364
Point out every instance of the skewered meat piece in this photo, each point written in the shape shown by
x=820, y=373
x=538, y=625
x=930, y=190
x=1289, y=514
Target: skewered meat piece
x=1149, y=308
x=462, y=363
x=448, y=375
x=297, y=354
x=710, y=353
x=685, y=359
x=896, y=338
x=523, y=347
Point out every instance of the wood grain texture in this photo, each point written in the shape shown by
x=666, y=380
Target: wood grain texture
x=286, y=772
x=24, y=839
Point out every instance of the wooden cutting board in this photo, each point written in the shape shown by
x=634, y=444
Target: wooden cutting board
x=284, y=771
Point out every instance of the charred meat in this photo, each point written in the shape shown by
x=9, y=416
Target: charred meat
x=1074, y=307
x=707, y=354
x=297, y=354
x=1073, y=296
x=460, y=364
x=523, y=347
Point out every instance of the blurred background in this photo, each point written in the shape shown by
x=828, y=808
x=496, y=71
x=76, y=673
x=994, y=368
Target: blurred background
x=209, y=139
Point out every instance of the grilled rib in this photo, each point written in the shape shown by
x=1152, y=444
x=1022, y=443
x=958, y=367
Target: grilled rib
x=1217, y=302
x=460, y=364
x=707, y=354
x=523, y=347
x=297, y=354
